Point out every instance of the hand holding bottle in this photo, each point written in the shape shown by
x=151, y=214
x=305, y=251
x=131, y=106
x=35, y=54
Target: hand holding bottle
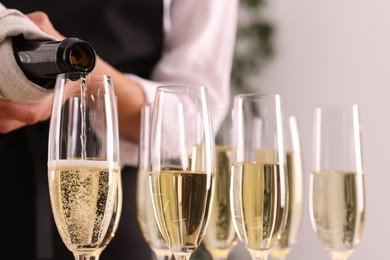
x=14, y=115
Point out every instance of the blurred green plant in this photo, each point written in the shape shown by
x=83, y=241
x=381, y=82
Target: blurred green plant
x=254, y=46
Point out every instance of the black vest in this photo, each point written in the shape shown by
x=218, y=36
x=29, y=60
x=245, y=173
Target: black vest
x=129, y=35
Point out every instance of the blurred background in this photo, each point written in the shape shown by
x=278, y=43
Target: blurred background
x=316, y=52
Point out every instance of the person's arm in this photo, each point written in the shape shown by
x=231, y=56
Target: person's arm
x=130, y=99
x=129, y=92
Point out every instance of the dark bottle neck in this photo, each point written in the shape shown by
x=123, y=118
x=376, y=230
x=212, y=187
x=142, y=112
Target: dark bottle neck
x=42, y=61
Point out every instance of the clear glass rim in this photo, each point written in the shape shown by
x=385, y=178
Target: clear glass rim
x=180, y=88
x=78, y=75
x=256, y=95
x=335, y=106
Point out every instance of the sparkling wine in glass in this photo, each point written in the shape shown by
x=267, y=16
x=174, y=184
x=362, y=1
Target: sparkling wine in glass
x=83, y=160
x=114, y=223
x=294, y=162
x=220, y=237
x=145, y=214
x=182, y=166
x=337, y=186
x=259, y=191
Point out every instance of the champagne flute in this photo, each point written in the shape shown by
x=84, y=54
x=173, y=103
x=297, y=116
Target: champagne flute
x=220, y=237
x=83, y=160
x=337, y=189
x=294, y=162
x=145, y=214
x=259, y=192
x=182, y=166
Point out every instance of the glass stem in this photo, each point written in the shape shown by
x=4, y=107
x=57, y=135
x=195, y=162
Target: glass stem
x=95, y=257
x=96, y=254
x=163, y=257
x=182, y=256
x=259, y=254
x=82, y=257
x=219, y=257
x=279, y=257
x=340, y=258
x=340, y=255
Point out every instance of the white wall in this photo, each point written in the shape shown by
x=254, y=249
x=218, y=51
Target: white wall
x=337, y=51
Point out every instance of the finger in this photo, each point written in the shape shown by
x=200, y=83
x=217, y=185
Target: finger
x=42, y=20
x=18, y=112
x=8, y=125
x=38, y=17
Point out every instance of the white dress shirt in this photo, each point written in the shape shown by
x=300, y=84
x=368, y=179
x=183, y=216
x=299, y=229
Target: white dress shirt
x=198, y=49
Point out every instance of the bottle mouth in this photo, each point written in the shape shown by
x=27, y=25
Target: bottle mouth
x=82, y=57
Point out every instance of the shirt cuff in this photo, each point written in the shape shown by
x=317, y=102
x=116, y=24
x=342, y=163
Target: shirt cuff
x=149, y=87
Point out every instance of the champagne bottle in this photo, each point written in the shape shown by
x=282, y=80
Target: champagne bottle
x=42, y=61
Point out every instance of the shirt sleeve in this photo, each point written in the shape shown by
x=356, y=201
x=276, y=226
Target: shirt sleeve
x=199, y=39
